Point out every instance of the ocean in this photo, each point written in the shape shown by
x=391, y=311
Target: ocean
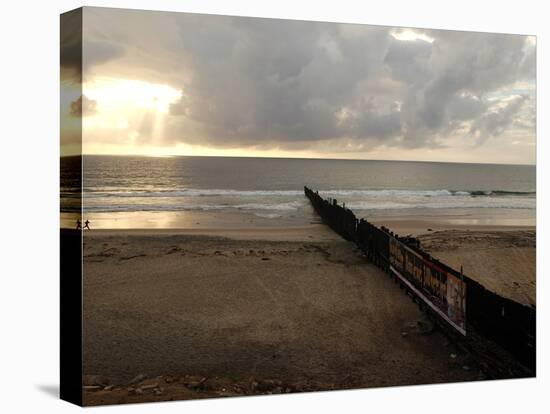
x=271, y=189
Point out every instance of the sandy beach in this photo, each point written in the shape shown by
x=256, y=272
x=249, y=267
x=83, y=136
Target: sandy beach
x=504, y=261
x=255, y=311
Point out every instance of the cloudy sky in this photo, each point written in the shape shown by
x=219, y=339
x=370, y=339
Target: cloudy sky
x=160, y=83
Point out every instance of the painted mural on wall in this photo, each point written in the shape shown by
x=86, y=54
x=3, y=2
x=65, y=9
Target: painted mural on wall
x=443, y=289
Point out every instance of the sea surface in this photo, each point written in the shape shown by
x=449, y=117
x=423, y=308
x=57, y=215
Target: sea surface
x=272, y=188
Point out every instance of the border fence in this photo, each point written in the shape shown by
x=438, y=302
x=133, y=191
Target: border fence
x=500, y=331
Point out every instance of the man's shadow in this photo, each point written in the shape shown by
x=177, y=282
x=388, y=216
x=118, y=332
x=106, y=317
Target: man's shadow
x=49, y=389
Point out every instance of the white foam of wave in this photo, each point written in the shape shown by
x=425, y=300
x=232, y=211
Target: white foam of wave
x=268, y=215
x=522, y=204
x=290, y=200
x=282, y=207
x=190, y=192
x=290, y=206
x=387, y=193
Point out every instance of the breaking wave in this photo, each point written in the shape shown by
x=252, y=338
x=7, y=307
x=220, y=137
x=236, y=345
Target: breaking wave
x=273, y=203
x=98, y=193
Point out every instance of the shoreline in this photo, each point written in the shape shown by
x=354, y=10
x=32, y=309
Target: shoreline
x=420, y=221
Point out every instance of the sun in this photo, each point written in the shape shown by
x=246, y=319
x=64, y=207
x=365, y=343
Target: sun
x=130, y=111
x=131, y=95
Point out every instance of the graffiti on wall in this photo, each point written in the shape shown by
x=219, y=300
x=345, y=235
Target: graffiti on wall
x=446, y=291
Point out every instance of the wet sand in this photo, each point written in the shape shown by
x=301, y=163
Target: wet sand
x=415, y=225
x=403, y=220
x=207, y=313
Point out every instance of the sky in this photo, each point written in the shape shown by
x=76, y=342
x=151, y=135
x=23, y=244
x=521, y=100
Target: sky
x=164, y=83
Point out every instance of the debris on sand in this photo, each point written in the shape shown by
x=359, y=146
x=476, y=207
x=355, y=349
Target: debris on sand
x=193, y=383
x=92, y=387
x=138, y=378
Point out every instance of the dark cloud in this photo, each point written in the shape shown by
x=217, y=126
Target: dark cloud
x=409, y=61
x=279, y=80
x=83, y=106
x=79, y=50
x=495, y=122
x=286, y=84
x=448, y=85
x=71, y=46
x=97, y=52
